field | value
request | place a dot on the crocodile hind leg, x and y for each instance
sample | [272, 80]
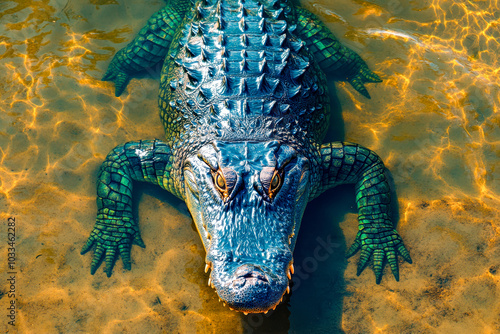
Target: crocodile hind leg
[150, 46]
[350, 163]
[332, 56]
[115, 229]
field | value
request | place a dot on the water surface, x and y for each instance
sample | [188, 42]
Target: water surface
[434, 120]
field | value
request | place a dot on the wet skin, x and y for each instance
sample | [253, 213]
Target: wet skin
[244, 103]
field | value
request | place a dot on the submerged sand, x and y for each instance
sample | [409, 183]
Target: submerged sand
[434, 120]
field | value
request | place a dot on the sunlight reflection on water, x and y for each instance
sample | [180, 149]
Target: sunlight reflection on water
[434, 120]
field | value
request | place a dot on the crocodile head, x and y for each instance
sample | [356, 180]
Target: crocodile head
[247, 201]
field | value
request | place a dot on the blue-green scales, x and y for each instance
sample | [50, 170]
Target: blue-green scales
[244, 103]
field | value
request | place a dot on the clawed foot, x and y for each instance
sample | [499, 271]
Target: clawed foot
[112, 236]
[120, 79]
[363, 75]
[116, 74]
[385, 244]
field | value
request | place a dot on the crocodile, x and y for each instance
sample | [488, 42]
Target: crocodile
[245, 106]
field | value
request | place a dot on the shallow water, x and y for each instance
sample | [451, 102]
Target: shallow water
[434, 120]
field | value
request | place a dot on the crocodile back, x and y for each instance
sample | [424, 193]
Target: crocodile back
[236, 71]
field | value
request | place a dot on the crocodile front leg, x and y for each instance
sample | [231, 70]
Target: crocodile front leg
[150, 46]
[350, 163]
[332, 56]
[116, 230]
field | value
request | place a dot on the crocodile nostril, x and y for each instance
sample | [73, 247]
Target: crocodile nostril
[254, 274]
[249, 272]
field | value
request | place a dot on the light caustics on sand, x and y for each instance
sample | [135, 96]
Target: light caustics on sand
[464, 89]
[441, 71]
[34, 82]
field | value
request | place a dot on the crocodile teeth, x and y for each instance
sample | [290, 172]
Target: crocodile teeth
[292, 269]
[209, 281]
[245, 313]
[266, 312]
[207, 266]
[289, 275]
[288, 289]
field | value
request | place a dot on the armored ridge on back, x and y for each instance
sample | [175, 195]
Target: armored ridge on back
[243, 99]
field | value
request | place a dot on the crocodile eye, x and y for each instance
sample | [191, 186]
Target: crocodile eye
[220, 182]
[275, 182]
[275, 186]
[225, 181]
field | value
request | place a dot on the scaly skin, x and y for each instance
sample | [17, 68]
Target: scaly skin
[244, 104]
[332, 56]
[116, 230]
[345, 163]
[149, 48]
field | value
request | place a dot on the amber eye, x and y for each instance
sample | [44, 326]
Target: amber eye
[275, 182]
[275, 185]
[220, 182]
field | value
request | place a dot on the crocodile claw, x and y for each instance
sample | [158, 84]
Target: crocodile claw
[110, 242]
[364, 75]
[358, 85]
[108, 76]
[386, 244]
[120, 78]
